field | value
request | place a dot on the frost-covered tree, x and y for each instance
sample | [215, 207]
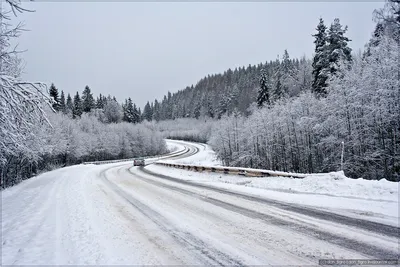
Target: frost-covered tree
[279, 89]
[128, 111]
[69, 105]
[288, 75]
[263, 96]
[77, 106]
[112, 111]
[223, 105]
[53, 91]
[320, 61]
[209, 108]
[88, 102]
[157, 110]
[136, 114]
[100, 102]
[147, 112]
[376, 37]
[337, 47]
[21, 102]
[390, 14]
[304, 75]
[63, 107]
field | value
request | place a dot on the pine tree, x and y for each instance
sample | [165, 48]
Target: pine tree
[210, 108]
[375, 40]
[338, 49]
[288, 74]
[222, 106]
[77, 109]
[136, 114]
[140, 115]
[147, 112]
[321, 61]
[196, 111]
[69, 105]
[156, 114]
[128, 111]
[54, 95]
[87, 100]
[63, 107]
[124, 111]
[279, 91]
[263, 96]
[100, 102]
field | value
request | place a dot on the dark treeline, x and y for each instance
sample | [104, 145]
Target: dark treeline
[107, 109]
[221, 94]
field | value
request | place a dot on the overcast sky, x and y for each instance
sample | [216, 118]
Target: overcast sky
[144, 50]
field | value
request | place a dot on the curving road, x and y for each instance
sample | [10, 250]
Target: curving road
[120, 214]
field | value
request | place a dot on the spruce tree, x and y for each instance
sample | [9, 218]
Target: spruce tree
[147, 112]
[100, 102]
[69, 105]
[222, 106]
[337, 49]
[156, 113]
[140, 115]
[77, 109]
[320, 61]
[196, 111]
[54, 95]
[128, 111]
[263, 96]
[87, 100]
[375, 40]
[136, 114]
[210, 108]
[63, 107]
[279, 91]
[288, 74]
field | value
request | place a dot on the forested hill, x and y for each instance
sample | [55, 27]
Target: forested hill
[219, 94]
[235, 90]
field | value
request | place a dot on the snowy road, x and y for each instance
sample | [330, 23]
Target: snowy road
[119, 214]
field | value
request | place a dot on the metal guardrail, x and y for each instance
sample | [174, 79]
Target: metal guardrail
[176, 153]
[232, 170]
[248, 172]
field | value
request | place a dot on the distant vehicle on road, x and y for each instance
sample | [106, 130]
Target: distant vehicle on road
[138, 162]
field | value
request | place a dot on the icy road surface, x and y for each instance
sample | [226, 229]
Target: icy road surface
[119, 214]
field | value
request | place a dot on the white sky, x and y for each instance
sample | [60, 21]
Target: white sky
[144, 50]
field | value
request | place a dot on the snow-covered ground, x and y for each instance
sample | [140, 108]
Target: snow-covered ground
[117, 214]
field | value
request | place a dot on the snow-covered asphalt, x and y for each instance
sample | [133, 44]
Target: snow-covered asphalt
[120, 214]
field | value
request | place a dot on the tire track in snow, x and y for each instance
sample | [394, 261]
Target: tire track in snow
[203, 251]
[357, 246]
[375, 227]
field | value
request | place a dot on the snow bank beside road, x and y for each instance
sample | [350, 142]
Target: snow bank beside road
[369, 199]
[323, 184]
[333, 184]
